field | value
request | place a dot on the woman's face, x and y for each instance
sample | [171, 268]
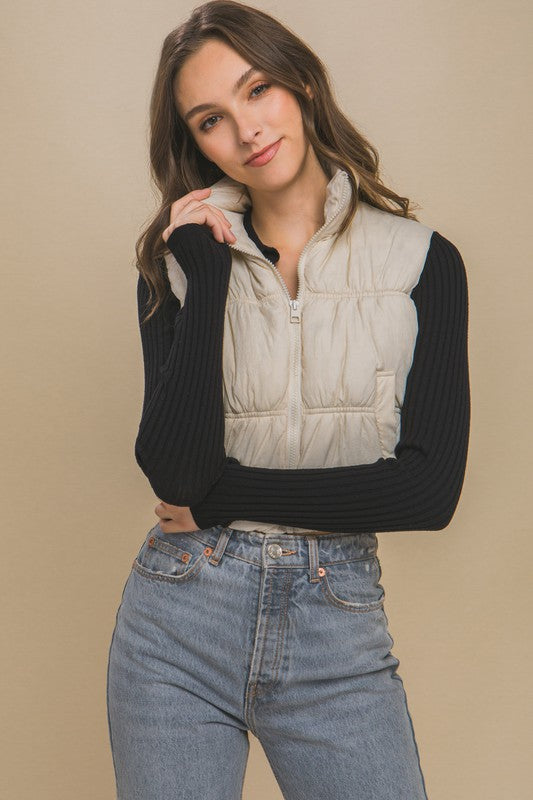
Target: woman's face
[236, 122]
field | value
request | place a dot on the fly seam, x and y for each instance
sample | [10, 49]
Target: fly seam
[284, 615]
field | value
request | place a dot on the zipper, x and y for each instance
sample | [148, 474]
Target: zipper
[295, 317]
[295, 304]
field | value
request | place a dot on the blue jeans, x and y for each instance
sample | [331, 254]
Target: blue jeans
[221, 631]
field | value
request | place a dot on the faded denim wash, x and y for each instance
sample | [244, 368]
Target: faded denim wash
[220, 632]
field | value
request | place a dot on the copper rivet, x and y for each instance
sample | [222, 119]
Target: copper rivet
[208, 551]
[185, 557]
[321, 571]
[151, 540]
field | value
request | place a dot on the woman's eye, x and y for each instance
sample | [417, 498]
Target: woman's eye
[261, 85]
[205, 127]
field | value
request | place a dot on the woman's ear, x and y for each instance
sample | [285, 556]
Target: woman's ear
[308, 90]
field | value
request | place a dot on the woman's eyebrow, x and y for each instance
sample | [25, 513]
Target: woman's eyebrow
[206, 106]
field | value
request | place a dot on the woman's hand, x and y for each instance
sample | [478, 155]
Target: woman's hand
[191, 208]
[175, 519]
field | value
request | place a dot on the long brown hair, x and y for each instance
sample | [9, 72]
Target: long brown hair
[178, 166]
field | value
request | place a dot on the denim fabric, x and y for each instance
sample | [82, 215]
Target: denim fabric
[220, 632]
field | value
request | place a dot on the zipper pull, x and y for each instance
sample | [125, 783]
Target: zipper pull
[295, 311]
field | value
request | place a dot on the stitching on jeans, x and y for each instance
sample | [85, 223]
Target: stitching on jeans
[347, 605]
[284, 617]
[168, 548]
[257, 563]
[255, 693]
[267, 619]
[182, 577]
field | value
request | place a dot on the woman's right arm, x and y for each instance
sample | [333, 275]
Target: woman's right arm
[180, 441]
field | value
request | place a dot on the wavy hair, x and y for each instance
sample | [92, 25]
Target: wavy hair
[177, 166]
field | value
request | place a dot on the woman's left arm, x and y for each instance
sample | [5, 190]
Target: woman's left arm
[419, 489]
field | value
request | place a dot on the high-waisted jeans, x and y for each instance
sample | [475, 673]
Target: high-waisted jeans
[221, 631]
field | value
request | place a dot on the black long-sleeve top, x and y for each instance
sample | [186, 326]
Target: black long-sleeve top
[180, 443]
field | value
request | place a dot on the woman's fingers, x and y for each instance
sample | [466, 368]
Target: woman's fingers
[191, 208]
[224, 224]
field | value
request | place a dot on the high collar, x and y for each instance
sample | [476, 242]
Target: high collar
[233, 199]
[268, 251]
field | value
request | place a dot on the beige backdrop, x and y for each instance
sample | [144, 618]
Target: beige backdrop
[441, 89]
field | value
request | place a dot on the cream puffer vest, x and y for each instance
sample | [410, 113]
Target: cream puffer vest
[317, 381]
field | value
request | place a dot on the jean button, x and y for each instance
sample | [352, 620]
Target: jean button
[274, 550]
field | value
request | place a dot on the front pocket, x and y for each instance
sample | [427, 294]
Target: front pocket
[386, 412]
[353, 585]
[176, 557]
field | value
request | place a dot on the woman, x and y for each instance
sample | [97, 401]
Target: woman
[306, 387]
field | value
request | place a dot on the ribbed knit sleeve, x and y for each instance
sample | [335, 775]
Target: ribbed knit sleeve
[180, 441]
[419, 489]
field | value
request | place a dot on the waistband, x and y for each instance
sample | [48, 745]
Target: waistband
[287, 550]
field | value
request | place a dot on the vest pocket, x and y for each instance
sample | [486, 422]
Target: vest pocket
[387, 415]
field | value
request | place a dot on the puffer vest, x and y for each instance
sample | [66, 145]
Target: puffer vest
[318, 381]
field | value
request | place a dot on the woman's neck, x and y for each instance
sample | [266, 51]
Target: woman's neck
[292, 215]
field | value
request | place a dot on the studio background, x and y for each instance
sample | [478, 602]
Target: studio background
[441, 89]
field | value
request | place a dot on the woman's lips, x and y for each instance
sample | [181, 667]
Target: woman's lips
[265, 157]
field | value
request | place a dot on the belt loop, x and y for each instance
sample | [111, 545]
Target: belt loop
[220, 546]
[312, 544]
